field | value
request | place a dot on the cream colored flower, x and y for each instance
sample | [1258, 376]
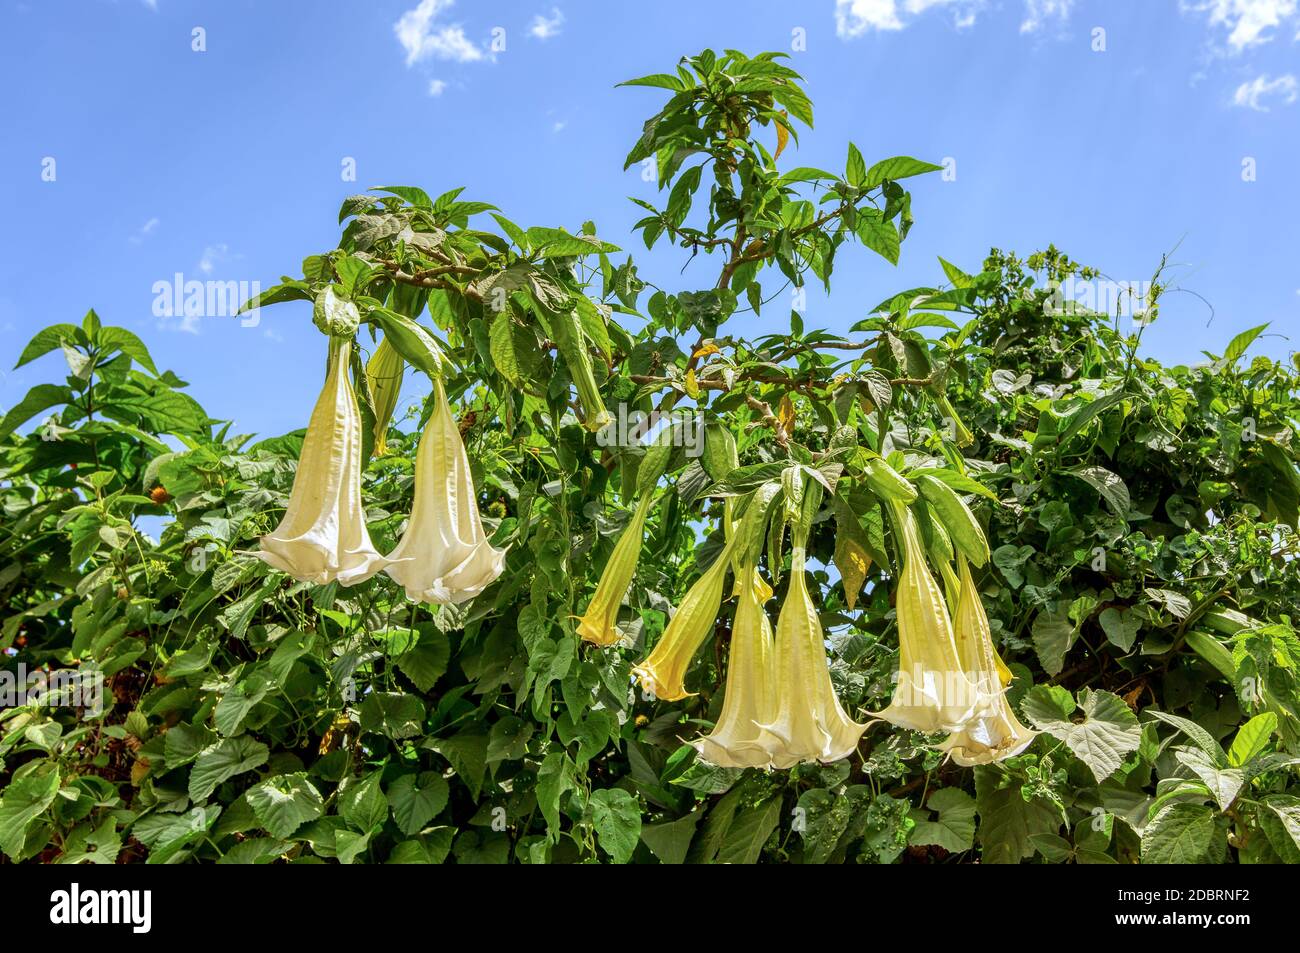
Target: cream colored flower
[599, 624]
[444, 556]
[664, 671]
[737, 739]
[808, 723]
[323, 536]
[933, 692]
[992, 732]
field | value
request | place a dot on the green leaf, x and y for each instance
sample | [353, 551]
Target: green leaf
[426, 661]
[217, 762]
[899, 167]
[1252, 738]
[395, 714]
[661, 80]
[855, 169]
[878, 235]
[1121, 627]
[285, 802]
[954, 829]
[1085, 414]
[23, 802]
[1280, 821]
[1108, 733]
[508, 740]
[1237, 346]
[1052, 632]
[1007, 820]
[48, 340]
[1223, 783]
[749, 831]
[1112, 489]
[467, 752]
[616, 816]
[1184, 834]
[417, 799]
[41, 397]
[120, 339]
[670, 841]
[363, 805]
[1202, 738]
[514, 349]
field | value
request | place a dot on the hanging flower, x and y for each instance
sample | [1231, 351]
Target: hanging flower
[444, 556]
[737, 739]
[664, 671]
[384, 378]
[599, 623]
[992, 732]
[323, 536]
[808, 723]
[933, 692]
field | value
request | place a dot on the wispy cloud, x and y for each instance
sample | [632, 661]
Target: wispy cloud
[151, 4]
[437, 87]
[422, 36]
[544, 27]
[212, 256]
[144, 231]
[1248, 22]
[853, 18]
[1040, 13]
[558, 125]
[1255, 94]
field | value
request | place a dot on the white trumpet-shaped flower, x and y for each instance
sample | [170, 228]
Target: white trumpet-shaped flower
[808, 722]
[737, 739]
[992, 732]
[933, 692]
[323, 536]
[444, 556]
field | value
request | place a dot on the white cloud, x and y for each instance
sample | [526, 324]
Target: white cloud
[1248, 22]
[212, 256]
[856, 17]
[144, 231]
[558, 126]
[421, 37]
[546, 27]
[1040, 12]
[1253, 94]
[151, 4]
[437, 87]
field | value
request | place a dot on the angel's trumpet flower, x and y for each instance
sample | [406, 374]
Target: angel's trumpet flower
[599, 623]
[933, 692]
[323, 536]
[808, 723]
[737, 740]
[663, 673]
[992, 732]
[384, 378]
[444, 556]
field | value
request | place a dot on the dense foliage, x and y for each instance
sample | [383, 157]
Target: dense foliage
[1141, 520]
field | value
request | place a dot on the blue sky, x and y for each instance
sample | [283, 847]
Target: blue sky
[226, 163]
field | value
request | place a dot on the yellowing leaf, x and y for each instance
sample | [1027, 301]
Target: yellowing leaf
[782, 138]
[785, 415]
[692, 388]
